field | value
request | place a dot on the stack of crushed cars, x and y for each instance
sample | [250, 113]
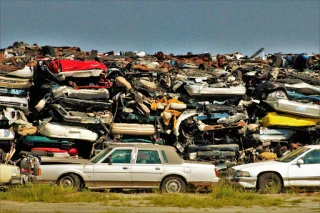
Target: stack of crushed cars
[223, 109]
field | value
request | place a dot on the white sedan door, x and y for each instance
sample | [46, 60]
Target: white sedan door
[147, 169]
[115, 170]
[308, 173]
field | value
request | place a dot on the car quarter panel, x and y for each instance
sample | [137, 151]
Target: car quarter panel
[191, 172]
[52, 172]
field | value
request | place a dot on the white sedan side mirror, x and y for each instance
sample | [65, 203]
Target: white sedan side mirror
[300, 161]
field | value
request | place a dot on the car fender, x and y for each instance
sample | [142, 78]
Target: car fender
[283, 177]
[68, 171]
[177, 173]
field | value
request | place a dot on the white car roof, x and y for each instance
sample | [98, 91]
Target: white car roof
[313, 146]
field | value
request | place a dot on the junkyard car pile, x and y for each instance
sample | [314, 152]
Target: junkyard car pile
[224, 109]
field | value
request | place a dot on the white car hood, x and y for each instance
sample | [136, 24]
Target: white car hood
[264, 164]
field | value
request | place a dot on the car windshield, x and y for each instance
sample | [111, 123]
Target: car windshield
[101, 155]
[293, 155]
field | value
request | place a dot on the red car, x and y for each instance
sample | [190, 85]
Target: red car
[74, 68]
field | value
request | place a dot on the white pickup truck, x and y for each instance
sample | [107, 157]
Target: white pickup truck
[129, 166]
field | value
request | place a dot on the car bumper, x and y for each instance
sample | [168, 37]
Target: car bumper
[16, 180]
[39, 180]
[199, 185]
[246, 182]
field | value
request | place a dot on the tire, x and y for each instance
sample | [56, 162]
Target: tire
[48, 50]
[70, 181]
[238, 74]
[173, 184]
[203, 67]
[270, 183]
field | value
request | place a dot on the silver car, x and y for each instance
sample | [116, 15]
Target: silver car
[130, 166]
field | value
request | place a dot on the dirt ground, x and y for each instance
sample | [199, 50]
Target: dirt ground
[308, 205]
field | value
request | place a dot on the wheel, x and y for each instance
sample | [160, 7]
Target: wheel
[270, 183]
[238, 74]
[70, 181]
[202, 67]
[173, 184]
[48, 50]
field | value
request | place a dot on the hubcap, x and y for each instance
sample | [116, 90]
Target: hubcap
[271, 186]
[173, 186]
[67, 182]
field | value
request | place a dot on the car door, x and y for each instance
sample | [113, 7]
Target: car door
[147, 168]
[307, 173]
[114, 170]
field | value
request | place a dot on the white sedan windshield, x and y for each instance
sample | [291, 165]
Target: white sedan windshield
[293, 155]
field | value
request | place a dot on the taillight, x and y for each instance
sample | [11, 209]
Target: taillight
[38, 172]
[216, 172]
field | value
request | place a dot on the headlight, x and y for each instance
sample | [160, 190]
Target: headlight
[243, 174]
[281, 95]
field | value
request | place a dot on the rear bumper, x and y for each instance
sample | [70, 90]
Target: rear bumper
[16, 180]
[201, 185]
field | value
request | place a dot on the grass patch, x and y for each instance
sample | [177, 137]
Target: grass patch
[295, 201]
[49, 194]
[8, 211]
[221, 196]
[115, 211]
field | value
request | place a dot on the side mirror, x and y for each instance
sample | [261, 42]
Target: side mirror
[300, 161]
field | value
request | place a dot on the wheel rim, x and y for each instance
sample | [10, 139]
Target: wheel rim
[271, 186]
[173, 186]
[66, 182]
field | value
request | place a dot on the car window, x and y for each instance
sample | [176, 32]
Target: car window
[164, 156]
[148, 157]
[100, 156]
[119, 156]
[312, 157]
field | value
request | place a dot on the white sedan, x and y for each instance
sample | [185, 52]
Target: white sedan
[299, 168]
[129, 166]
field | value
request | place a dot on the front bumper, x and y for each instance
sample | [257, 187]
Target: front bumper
[246, 182]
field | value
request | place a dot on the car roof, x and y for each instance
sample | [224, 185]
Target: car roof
[171, 153]
[313, 146]
[139, 145]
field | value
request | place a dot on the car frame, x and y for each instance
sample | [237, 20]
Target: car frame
[292, 170]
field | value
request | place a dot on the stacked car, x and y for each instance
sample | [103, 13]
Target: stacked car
[16, 73]
[223, 109]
